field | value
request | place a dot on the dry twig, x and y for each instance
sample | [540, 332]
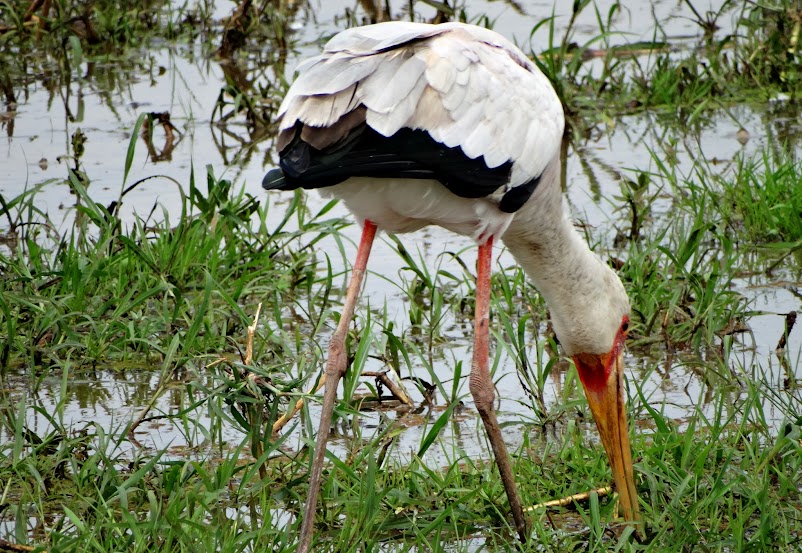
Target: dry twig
[251, 333]
[584, 496]
[394, 388]
[286, 417]
[16, 548]
[790, 321]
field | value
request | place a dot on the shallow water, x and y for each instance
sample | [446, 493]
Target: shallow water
[186, 83]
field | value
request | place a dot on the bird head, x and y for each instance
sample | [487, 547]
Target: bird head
[602, 377]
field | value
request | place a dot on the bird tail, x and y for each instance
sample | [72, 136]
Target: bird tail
[274, 180]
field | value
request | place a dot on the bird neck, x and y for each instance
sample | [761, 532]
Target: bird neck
[585, 297]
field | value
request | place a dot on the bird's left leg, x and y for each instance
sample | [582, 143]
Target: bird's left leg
[481, 385]
[335, 369]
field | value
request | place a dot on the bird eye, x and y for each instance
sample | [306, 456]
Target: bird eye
[625, 326]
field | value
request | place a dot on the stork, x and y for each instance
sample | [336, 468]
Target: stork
[412, 124]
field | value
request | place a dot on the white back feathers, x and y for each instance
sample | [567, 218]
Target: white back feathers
[465, 85]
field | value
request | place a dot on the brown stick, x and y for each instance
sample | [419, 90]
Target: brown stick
[35, 5]
[397, 391]
[8, 546]
[584, 496]
[282, 421]
[141, 417]
[790, 321]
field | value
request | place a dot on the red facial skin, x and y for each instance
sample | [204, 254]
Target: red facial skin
[594, 370]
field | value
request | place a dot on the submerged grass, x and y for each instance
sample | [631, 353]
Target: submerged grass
[700, 488]
[763, 202]
[109, 293]
[608, 76]
[171, 295]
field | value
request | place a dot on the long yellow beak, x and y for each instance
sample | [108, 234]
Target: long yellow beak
[607, 400]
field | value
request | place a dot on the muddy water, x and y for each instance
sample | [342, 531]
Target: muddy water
[186, 83]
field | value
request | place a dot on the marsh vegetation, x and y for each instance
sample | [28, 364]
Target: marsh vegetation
[140, 379]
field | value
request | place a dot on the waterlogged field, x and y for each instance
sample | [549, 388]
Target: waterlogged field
[159, 313]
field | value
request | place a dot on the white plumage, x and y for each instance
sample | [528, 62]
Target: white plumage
[465, 85]
[468, 87]
[469, 134]
[407, 205]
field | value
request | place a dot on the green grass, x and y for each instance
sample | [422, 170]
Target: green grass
[115, 295]
[764, 204]
[608, 75]
[698, 485]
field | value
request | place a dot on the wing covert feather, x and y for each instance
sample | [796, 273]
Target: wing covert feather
[464, 85]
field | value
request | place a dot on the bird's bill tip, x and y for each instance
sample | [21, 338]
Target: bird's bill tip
[603, 379]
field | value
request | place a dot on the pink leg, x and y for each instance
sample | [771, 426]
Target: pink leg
[481, 385]
[335, 369]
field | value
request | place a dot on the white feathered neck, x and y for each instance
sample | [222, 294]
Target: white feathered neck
[586, 298]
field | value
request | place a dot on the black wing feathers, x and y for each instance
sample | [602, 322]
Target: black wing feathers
[365, 153]
[409, 153]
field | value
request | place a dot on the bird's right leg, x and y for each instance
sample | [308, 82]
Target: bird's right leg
[482, 389]
[335, 369]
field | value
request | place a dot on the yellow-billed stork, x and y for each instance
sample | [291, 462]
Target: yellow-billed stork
[412, 125]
